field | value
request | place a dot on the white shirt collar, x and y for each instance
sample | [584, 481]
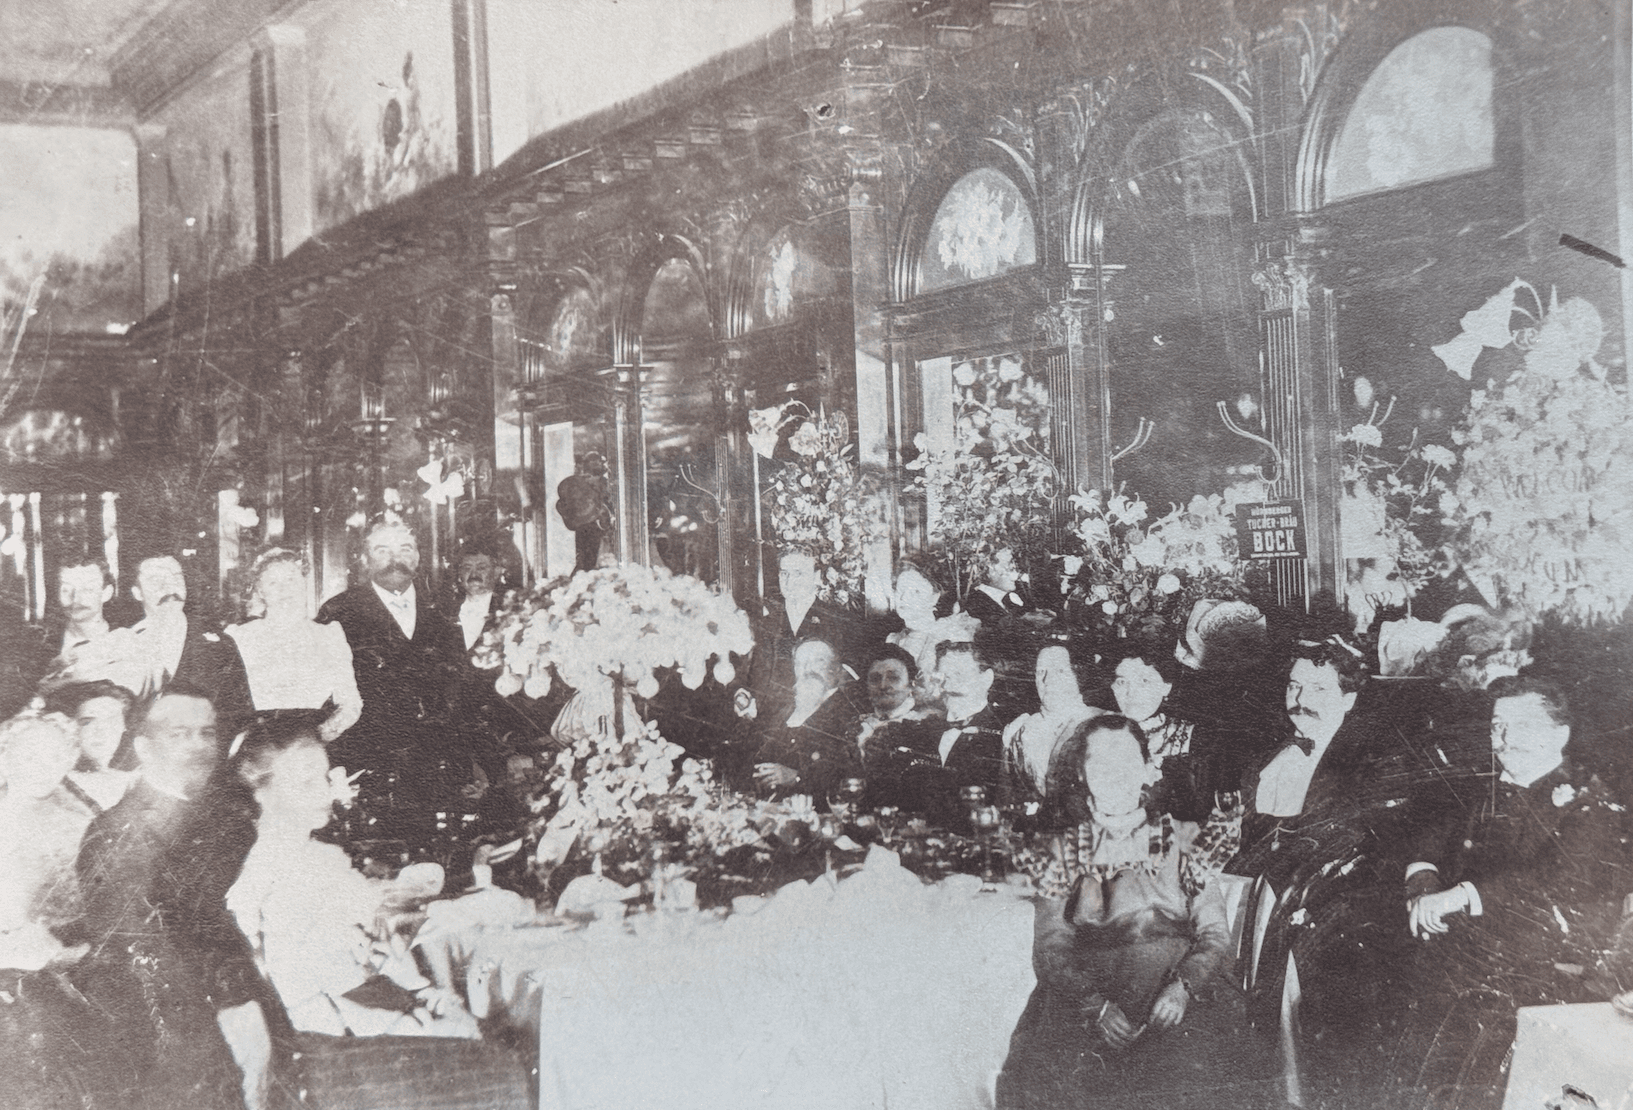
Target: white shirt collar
[393, 600]
[160, 788]
[1285, 781]
[473, 616]
[401, 606]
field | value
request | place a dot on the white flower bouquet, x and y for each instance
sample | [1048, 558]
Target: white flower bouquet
[1137, 576]
[819, 503]
[621, 623]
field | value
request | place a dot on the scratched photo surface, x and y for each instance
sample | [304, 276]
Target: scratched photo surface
[1019, 554]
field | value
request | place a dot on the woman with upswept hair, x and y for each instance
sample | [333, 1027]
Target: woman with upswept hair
[292, 661]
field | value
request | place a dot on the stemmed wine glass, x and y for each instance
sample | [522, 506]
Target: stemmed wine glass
[846, 799]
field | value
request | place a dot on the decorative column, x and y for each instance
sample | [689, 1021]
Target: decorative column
[1073, 329]
[153, 200]
[1301, 406]
[728, 448]
[514, 454]
[878, 395]
[629, 444]
[280, 108]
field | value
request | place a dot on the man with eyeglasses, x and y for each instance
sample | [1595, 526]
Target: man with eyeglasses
[1515, 891]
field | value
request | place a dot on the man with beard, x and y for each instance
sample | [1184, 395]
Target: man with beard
[811, 750]
[408, 662]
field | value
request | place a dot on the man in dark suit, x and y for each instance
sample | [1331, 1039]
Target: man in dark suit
[408, 660]
[167, 962]
[964, 750]
[811, 749]
[1319, 907]
[493, 727]
[1516, 883]
[175, 649]
[789, 618]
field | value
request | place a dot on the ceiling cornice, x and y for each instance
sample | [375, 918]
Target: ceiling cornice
[183, 38]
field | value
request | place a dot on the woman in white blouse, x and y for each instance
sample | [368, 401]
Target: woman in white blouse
[292, 661]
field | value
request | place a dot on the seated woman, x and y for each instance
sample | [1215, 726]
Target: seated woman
[1032, 739]
[100, 712]
[890, 734]
[915, 599]
[1127, 949]
[56, 1049]
[316, 925]
[41, 824]
[292, 661]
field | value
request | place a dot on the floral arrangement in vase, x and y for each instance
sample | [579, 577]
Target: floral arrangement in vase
[819, 502]
[993, 485]
[1543, 501]
[1393, 498]
[622, 623]
[1140, 577]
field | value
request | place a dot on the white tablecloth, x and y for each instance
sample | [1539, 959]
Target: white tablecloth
[1587, 1046]
[882, 992]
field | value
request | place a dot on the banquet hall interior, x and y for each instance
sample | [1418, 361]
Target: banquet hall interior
[609, 553]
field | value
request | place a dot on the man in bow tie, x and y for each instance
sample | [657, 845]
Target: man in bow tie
[407, 657]
[1309, 885]
[962, 751]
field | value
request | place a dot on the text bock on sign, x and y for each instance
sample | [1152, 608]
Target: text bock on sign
[1274, 530]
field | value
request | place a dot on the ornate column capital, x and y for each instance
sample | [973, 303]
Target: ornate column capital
[1284, 285]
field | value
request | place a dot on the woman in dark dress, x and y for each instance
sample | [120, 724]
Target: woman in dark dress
[1127, 946]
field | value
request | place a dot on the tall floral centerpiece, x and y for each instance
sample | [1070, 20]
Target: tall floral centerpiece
[1138, 576]
[1393, 515]
[992, 486]
[819, 502]
[623, 623]
[1544, 497]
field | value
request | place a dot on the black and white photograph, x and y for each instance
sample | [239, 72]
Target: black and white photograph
[816, 554]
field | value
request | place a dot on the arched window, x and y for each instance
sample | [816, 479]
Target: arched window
[982, 228]
[1180, 216]
[1423, 115]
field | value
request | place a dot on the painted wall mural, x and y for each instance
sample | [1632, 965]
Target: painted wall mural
[982, 228]
[383, 116]
[210, 217]
[1425, 113]
[68, 219]
[796, 269]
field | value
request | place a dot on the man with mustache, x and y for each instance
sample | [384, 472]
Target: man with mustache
[167, 647]
[1316, 893]
[407, 657]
